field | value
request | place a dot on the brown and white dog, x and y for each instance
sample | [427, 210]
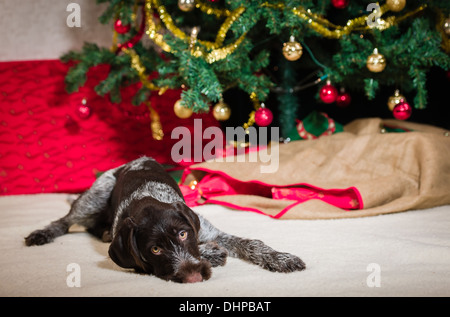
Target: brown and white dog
[139, 208]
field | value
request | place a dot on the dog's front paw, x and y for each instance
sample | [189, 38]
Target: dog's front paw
[282, 262]
[39, 237]
[213, 253]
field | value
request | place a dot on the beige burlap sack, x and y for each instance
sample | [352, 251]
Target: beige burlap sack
[383, 172]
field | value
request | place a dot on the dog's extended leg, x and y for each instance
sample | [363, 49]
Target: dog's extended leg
[84, 211]
[213, 253]
[254, 251]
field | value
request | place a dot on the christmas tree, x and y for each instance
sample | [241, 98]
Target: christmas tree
[259, 58]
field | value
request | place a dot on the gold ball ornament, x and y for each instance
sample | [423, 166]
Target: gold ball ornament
[181, 111]
[376, 62]
[292, 50]
[186, 5]
[396, 5]
[446, 26]
[221, 111]
[395, 99]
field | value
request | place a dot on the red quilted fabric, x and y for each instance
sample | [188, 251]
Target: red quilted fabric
[47, 146]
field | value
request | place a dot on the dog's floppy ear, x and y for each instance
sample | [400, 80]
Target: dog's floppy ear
[123, 249]
[188, 214]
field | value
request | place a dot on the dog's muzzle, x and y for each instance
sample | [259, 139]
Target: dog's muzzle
[189, 269]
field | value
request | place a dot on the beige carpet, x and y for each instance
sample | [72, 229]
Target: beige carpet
[403, 254]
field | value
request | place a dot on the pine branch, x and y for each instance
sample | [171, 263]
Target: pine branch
[411, 49]
[117, 9]
[419, 80]
[371, 86]
[194, 100]
[199, 75]
[91, 55]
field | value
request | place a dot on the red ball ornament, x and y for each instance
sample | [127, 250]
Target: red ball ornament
[402, 110]
[131, 42]
[343, 99]
[263, 116]
[84, 111]
[120, 27]
[340, 4]
[328, 93]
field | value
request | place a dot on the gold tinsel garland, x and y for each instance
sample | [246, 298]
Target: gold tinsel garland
[157, 131]
[136, 64]
[139, 68]
[445, 38]
[216, 51]
[206, 8]
[251, 116]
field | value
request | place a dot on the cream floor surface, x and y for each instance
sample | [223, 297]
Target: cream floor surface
[403, 254]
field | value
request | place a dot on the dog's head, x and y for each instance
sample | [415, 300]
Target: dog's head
[162, 240]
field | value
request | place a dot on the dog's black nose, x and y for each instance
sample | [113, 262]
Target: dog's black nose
[193, 278]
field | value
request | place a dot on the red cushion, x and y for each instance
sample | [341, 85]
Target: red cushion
[47, 146]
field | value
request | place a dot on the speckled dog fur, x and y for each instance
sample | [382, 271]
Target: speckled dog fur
[139, 208]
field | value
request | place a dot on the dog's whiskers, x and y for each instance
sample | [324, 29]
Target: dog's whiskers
[180, 256]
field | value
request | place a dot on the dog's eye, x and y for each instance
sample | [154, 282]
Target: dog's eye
[183, 235]
[156, 250]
